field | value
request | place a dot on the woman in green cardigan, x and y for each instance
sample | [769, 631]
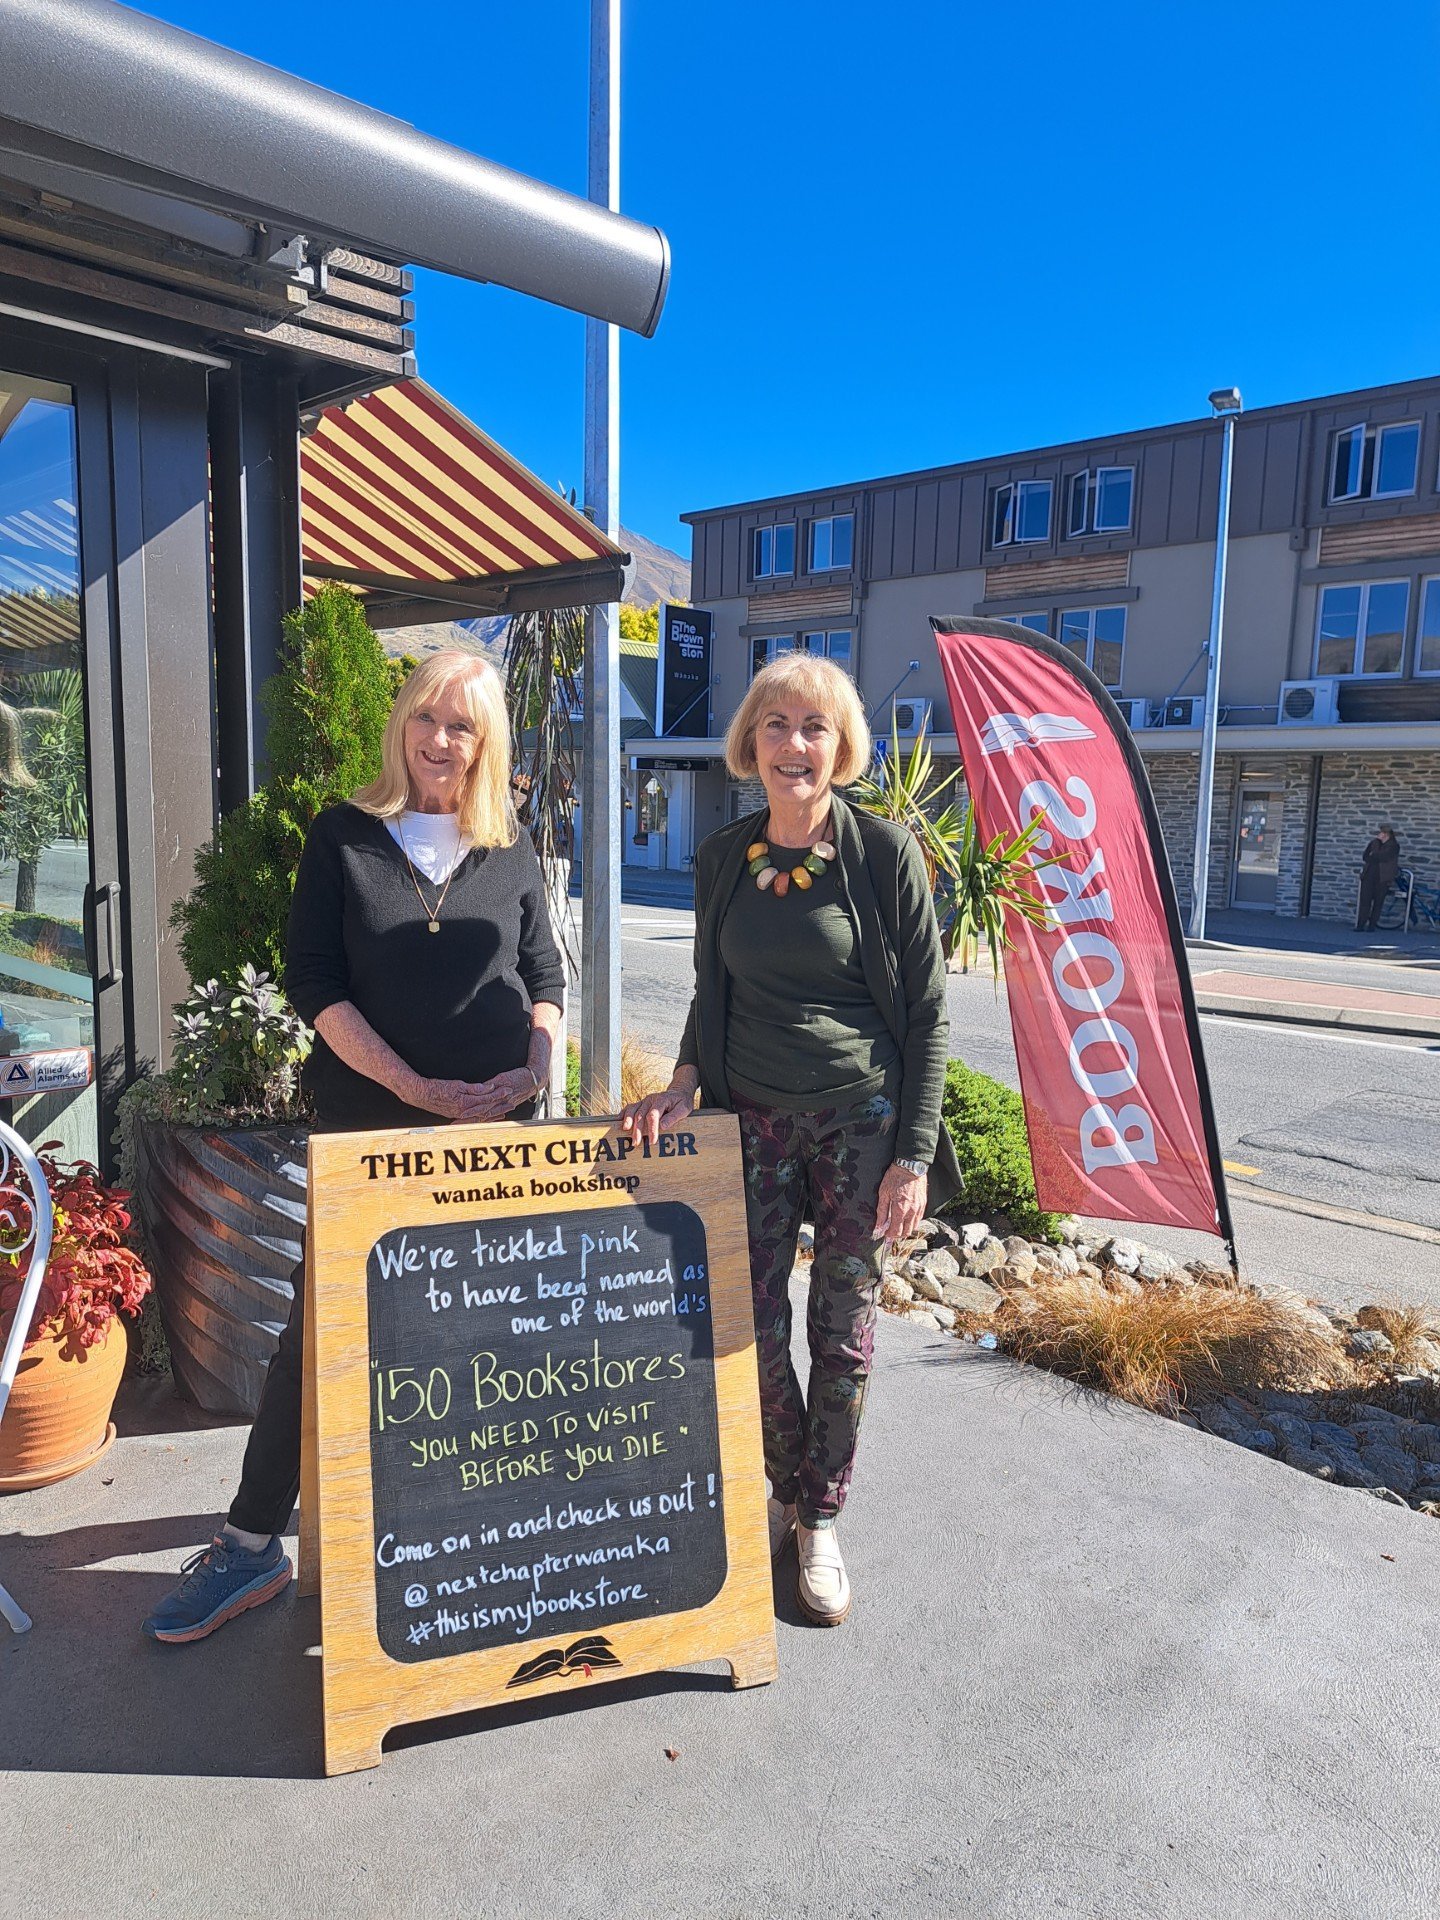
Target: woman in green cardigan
[819, 1019]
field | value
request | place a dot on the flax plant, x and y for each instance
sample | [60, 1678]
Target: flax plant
[977, 883]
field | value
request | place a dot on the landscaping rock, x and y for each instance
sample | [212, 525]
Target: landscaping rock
[1154, 1265]
[1124, 1254]
[1047, 1258]
[922, 1316]
[1308, 1460]
[1331, 1433]
[967, 1295]
[975, 1233]
[940, 1263]
[896, 1293]
[1369, 1343]
[1218, 1418]
[944, 1315]
[939, 1233]
[1011, 1279]
[926, 1286]
[978, 1261]
[1069, 1260]
[1289, 1428]
[1114, 1281]
[1069, 1230]
[1391, 1468]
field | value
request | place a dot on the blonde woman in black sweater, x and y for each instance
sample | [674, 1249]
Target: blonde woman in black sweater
[419, 948]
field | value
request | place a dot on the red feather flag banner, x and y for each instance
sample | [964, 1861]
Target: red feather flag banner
[1112, 1072]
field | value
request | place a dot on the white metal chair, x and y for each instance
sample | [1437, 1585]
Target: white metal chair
[15, 1207]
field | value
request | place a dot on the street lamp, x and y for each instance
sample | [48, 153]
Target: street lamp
[1226, 403]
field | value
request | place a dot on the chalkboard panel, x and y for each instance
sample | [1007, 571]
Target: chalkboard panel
[472, 1291]
[544, 1448]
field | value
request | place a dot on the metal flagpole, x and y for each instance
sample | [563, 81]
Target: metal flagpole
[1226, 402]
[600, 837]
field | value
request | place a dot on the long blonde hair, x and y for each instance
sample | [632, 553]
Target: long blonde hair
[486, 813]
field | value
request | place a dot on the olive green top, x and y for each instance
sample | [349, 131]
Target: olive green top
[803, 1028]
[881, 883]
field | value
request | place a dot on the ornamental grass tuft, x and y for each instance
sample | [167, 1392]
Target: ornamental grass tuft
[1165, 1346]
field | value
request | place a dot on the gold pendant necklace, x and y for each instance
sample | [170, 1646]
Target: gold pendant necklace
[432, 914]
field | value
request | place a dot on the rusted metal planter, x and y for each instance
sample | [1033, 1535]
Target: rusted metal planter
[222, 1212]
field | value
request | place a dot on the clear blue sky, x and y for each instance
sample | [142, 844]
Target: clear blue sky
[922, 231]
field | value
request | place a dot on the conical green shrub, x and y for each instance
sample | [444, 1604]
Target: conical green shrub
[326, 708]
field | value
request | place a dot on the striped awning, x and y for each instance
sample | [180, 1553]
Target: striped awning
[407, 501]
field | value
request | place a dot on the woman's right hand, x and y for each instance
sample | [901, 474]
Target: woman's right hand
[659, 1113]
[455, 1099]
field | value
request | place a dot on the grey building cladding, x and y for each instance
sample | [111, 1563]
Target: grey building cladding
[1109, 545]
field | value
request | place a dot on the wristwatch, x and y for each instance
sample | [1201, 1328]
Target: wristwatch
[917, 1167]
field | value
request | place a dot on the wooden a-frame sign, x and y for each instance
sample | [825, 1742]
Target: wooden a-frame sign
[531, 1458]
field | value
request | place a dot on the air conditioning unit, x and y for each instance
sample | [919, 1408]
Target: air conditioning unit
[1136, 713]
[1308, 703]
[1184, 710]
[912, 717]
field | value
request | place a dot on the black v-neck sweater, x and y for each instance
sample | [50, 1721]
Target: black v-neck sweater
[455, 1005]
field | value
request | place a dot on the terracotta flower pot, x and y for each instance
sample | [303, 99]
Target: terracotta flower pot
[58, 1420]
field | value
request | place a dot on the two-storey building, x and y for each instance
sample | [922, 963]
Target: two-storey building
[1330, 690]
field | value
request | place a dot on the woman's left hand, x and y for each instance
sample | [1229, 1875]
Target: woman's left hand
[495, 1098]
[901, 1204]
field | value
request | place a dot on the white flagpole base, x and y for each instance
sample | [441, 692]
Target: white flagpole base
[15, 1615]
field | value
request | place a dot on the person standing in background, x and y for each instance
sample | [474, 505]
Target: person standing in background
[1378, 867]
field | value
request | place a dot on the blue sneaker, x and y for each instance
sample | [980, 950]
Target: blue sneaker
[220, 1581]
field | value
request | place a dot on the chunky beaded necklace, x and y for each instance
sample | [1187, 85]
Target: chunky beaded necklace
[766, 874]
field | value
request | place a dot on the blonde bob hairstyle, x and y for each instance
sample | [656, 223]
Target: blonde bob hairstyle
[823, 686]
[486, 813]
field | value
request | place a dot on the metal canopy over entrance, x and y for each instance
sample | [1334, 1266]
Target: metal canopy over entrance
[407, 501]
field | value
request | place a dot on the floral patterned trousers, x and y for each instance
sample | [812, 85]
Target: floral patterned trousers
[824, 1166]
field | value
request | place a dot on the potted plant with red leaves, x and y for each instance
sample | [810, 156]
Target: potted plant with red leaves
[58, 1418]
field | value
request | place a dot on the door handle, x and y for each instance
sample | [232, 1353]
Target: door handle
[109, 896]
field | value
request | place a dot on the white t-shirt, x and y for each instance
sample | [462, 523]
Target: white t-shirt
[433, 841]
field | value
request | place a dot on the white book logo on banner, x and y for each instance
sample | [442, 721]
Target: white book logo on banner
[1004, 732]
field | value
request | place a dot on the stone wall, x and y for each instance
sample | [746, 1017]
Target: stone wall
[1357, 792]
[1175, 783]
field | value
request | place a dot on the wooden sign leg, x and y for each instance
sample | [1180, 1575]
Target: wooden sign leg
[307, 1572]
[352, 1743]
[756, 1663]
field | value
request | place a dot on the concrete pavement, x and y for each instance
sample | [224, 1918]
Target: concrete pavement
[1331, 1002]
[1099, 1665]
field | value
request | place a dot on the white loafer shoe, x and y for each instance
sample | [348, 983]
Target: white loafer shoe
[823, 1588]
[782, 1524]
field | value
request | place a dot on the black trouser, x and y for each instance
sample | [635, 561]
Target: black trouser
[270, 1477]
[1372, 898]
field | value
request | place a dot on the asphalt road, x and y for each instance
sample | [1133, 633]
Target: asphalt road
[1343, 1121]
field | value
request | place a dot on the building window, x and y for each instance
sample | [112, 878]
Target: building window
[834, 645]
[837, 645]
[1361, 629]
[832, 542]
[772, 552]
[1100, 501]
[1020, 513]
[1374, 463]
[1097, 635]
[1427, 644]
[1036, 622]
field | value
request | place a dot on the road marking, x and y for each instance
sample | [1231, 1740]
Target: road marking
[1234, 1166]
[1279, 1029]
[1344, 1216]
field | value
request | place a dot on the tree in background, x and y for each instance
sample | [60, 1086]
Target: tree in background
[43, 794]
[641, 623]
[326, 706]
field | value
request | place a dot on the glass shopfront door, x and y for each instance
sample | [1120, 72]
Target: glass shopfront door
[1257, 847]
[48, 896]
